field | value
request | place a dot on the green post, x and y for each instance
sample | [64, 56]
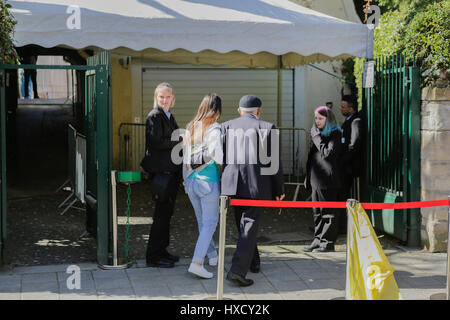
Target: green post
[102, 147]
[2, 165]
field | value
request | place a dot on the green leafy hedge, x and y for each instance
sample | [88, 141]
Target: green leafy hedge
[7, 52]
[428, 36]
[417, 28]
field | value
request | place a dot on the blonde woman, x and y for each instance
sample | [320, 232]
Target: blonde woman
[160, 125]
[202, 155]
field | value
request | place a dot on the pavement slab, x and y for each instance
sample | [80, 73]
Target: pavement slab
[299, 276]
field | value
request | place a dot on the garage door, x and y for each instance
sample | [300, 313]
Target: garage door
[191, 85]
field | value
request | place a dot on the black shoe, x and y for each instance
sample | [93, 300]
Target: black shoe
[239, 280]
[171, 257]
[255, 269]
[324, 249]
[311, 247]
[161, 263]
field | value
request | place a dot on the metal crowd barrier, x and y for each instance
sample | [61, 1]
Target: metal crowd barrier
[292, 144]
[76, 169]
[131, 145]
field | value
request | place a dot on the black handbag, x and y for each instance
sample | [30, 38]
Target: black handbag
[162, 185]
[199, 157]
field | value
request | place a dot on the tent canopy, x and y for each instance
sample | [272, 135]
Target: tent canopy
[243, 32]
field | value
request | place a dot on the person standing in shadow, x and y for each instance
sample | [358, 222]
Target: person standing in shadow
[32, 59]
[351, 161]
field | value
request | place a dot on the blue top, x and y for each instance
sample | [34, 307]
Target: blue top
[210, 173]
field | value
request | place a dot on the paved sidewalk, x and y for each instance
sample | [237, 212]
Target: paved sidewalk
[287, 273]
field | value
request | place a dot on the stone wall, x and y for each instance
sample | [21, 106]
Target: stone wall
[435, 166]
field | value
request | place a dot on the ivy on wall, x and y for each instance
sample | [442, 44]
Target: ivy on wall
[8, 54]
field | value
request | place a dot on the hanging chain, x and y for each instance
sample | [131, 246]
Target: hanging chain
[127, 234]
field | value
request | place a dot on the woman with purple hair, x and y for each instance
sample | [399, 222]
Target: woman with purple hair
[322, 177]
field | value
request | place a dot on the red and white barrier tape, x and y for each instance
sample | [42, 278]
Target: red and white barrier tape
[337, 205]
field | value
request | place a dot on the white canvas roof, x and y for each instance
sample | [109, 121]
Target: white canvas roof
[278, 27]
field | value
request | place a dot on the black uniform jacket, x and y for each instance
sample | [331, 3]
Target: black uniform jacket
[158, 143]
[352, 151]
[322, 167]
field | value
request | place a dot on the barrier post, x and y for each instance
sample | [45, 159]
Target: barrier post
[115, 260]
[350, 203]
[220, 265]
[448, 249]
[114, 217]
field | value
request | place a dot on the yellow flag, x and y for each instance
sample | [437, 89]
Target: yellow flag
[370, 276]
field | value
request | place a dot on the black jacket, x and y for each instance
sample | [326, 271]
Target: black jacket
[322, 167]
[352, 146]
[158, 143]
[244, 177]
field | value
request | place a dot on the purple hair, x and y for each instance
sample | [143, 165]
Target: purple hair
[331, 124]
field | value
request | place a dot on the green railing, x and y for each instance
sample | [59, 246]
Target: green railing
[393, 145]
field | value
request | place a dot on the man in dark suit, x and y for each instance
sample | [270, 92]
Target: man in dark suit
[251, 170]
[352, 151]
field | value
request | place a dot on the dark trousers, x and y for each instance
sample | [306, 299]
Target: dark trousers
[246, 251]
[30, 73]
[325, 226]
[160, 230]
[238, 212]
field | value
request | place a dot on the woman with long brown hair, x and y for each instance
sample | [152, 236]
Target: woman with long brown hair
[202, 155]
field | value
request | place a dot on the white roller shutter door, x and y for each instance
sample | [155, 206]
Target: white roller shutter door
[192, 84]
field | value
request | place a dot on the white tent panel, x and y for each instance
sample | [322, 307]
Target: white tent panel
[251, 26]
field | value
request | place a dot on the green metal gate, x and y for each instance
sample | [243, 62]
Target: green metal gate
[98, 149]
[393, 146]
[2, 164]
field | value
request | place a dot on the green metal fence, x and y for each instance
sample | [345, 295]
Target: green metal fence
[393, 145]
[2, 165]
[99, 151]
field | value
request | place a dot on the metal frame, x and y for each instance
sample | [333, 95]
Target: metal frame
[103, 148]
[448, 253]
[3, 197]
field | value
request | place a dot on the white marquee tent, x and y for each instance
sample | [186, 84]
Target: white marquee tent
[272, 27]
[273, 34]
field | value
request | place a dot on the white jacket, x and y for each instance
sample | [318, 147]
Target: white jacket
[213, 140]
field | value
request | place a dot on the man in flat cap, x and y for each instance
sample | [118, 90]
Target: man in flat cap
[251, 170]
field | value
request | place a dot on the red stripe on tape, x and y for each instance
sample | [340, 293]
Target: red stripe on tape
[337, 205]
[406, 205]
[287, 204]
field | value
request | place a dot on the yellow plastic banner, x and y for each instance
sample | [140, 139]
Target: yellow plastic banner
[370, 276]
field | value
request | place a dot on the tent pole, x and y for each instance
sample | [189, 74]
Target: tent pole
[279, 84]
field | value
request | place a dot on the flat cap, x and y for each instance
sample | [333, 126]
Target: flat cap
[249, 101]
